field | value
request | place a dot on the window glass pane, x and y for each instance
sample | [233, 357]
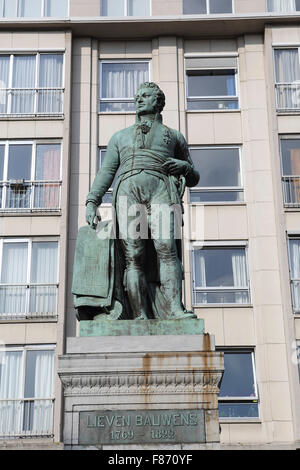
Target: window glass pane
[30, 8]
[2, 150]
[23, 77]
[220, 6]
[287, 68]
[138, 7]
[297, 5]
[216, 196]
[290, 154]
[121, 80]
[281, 6]
[220, 267]
[238, 378]
[39, 374]
[14, 263]
[294, 251]
[238, 410]
[47, 166]
[4, 82]
[8, 8]
[44, 262]
[211, 83]
[19, 162]
[191, 7]
[112, 8]
[56, 8]
[10, 380]
[217, 167]
[51, 70]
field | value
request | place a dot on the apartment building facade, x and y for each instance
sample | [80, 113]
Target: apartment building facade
[230, 70]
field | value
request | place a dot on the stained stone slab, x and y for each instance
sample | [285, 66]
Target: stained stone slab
[187, 326]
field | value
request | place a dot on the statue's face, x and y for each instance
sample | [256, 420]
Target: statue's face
[145, 101]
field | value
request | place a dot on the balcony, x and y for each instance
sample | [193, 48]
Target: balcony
[291, 191]
[30, 196]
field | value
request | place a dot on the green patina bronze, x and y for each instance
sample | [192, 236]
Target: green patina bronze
[117, 275]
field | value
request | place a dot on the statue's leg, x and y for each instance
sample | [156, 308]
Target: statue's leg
[134, 281]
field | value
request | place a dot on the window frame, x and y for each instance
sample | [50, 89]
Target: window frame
[277, 84]
[197, 245]
[119, 100]
[10, 89]
[5, 182]
[288, 179]
[28, 284]
[236, 97]
[216, 189]
[290, 237]
[17, 8]
[25, 349]
[125, 8]
[237, 399]
[208, 10]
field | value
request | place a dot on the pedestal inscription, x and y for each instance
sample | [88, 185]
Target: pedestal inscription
[142, 427]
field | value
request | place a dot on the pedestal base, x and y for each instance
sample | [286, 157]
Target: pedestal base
[141, 392]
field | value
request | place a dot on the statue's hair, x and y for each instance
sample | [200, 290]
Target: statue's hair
[160, 96]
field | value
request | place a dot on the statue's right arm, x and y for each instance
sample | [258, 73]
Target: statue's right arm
[103, 179]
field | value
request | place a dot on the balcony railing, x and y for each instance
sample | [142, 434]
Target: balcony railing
[29, 101]
[221, 295]
[28, 301]
[32, 417]
[21, 195]
[291, 191]
[288, 96]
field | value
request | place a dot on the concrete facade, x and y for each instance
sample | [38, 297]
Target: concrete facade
[262, 223]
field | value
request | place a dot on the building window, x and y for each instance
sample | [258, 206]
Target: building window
[283, 6]
[29, 278]
[30, 176]
[238, 397]
[119, 82]
[211, 83]
[220, 275]
[26, 391]
[294, 259]
[33, 8]
[125, 8]
[290, 169]
[202, 7]
[220, 170]
[287, 79]
[31, 84]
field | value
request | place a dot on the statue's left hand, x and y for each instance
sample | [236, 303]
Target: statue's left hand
[175, 167]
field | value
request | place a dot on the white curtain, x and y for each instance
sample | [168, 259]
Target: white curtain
[43, 271]
[4, 82]
[56, 8]
[50, 76]
[200, 276]
[287, 71]
[239, 276]
[43, 388]
[122, 80]
[11, 379]
[112, 8]
[23, 77]
[281, 6]
[46, 195]
[7, 8]
[138, 8]
[295, 271]
[30, 8]
[14, 271]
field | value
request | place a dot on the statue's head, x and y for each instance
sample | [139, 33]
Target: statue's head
[149, 99]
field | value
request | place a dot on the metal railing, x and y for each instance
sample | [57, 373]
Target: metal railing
[28, 301]
[291, 190]
[287, 96]
[21, 195]
[28, 101]
[221, 295]
[31, 417]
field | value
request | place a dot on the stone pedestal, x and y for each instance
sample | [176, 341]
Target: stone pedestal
[141, 391]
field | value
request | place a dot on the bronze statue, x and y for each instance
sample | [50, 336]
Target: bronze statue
[137, 277]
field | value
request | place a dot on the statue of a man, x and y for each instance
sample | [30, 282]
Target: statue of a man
[153, 165]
